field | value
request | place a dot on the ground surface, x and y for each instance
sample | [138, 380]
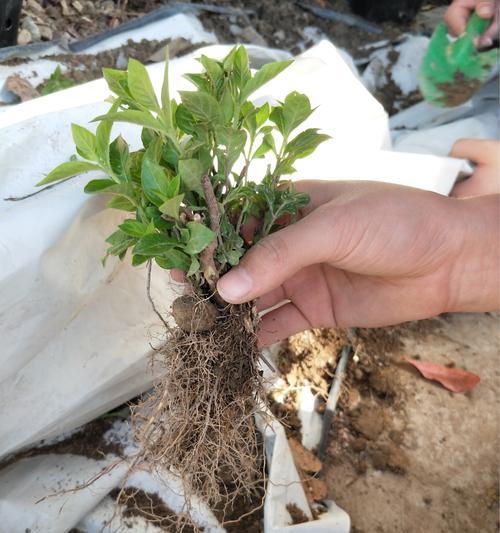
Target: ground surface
[432, 464]
[282, 24]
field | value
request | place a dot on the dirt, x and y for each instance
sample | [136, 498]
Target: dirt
[87, 441]
[458, 91]
[77, 19]
[391, 96]
[401, 446]
[296, 514]
[245, 514]
[151, 507]
[192, 314]
[97, 16]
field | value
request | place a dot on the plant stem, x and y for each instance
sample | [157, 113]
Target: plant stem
[210, 270]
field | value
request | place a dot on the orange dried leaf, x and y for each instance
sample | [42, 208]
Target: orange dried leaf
[454, 379]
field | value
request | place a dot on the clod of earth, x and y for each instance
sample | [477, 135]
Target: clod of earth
[304, 458]
[193, 314]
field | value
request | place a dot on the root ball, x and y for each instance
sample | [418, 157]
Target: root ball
[198, 423]
[192, 314]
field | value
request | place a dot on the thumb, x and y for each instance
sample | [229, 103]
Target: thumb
[278, 257]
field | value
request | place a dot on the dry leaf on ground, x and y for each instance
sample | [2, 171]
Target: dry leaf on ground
[454, 379]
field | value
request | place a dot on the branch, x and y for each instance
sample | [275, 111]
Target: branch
[210, 270]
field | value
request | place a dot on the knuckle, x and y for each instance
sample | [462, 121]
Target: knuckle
[273, 249]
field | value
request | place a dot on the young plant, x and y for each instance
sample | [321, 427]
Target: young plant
[189, 197]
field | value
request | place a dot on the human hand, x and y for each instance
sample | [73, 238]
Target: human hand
[485, 154]
[369, 254]
[458, 14]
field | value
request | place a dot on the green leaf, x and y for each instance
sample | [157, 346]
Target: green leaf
[234, 142]
[119, 159]
[199, 81]
[101, 185]
[227, 104]
[134, 228]
[68, 170]
[173, 186]
[184, 119]
[133, 116]
[194, 268]
[305, 143]
[262, 114]
[171, 206]
[117, 81]
[139, 259]
[120, 242]
[204, 107]
[267, 145]
[262, 76]
[140, 85]
[212, 68]
[241, 68]
[122, 203]
[103, 134]
[296, 108]
[174, 259]
[200, 237]
[154, 181]
[276, 116]
[154, 244]
[191, 172]
[85, 142]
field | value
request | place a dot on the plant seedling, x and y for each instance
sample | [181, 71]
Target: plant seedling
[188, 197]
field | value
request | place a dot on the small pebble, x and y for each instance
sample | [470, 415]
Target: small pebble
[252, 36]
[235, 29]
[23, 37]
[46, 33]
[279, 35]
[30, 26]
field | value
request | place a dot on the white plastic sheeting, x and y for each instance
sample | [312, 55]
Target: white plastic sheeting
[75, 336]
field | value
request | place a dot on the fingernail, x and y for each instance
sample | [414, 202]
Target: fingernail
[485, 9]
[235, 285]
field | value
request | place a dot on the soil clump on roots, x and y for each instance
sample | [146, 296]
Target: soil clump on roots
[198, 422]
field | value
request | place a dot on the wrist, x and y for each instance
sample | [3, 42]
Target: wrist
[475, 273]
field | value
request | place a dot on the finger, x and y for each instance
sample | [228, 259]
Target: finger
[277, 257]
[486, 40]
[458, 14]
[178, 275]
[280, 324]
[320, 192]
[486, 8]
[478, 151]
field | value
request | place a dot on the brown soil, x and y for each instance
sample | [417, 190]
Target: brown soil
[296, 514]
[401, 447]
[95, 17]
[100, 15]
[151, 507]
[391, 96]
[245, 513]
[458, 91]
[87, 441]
